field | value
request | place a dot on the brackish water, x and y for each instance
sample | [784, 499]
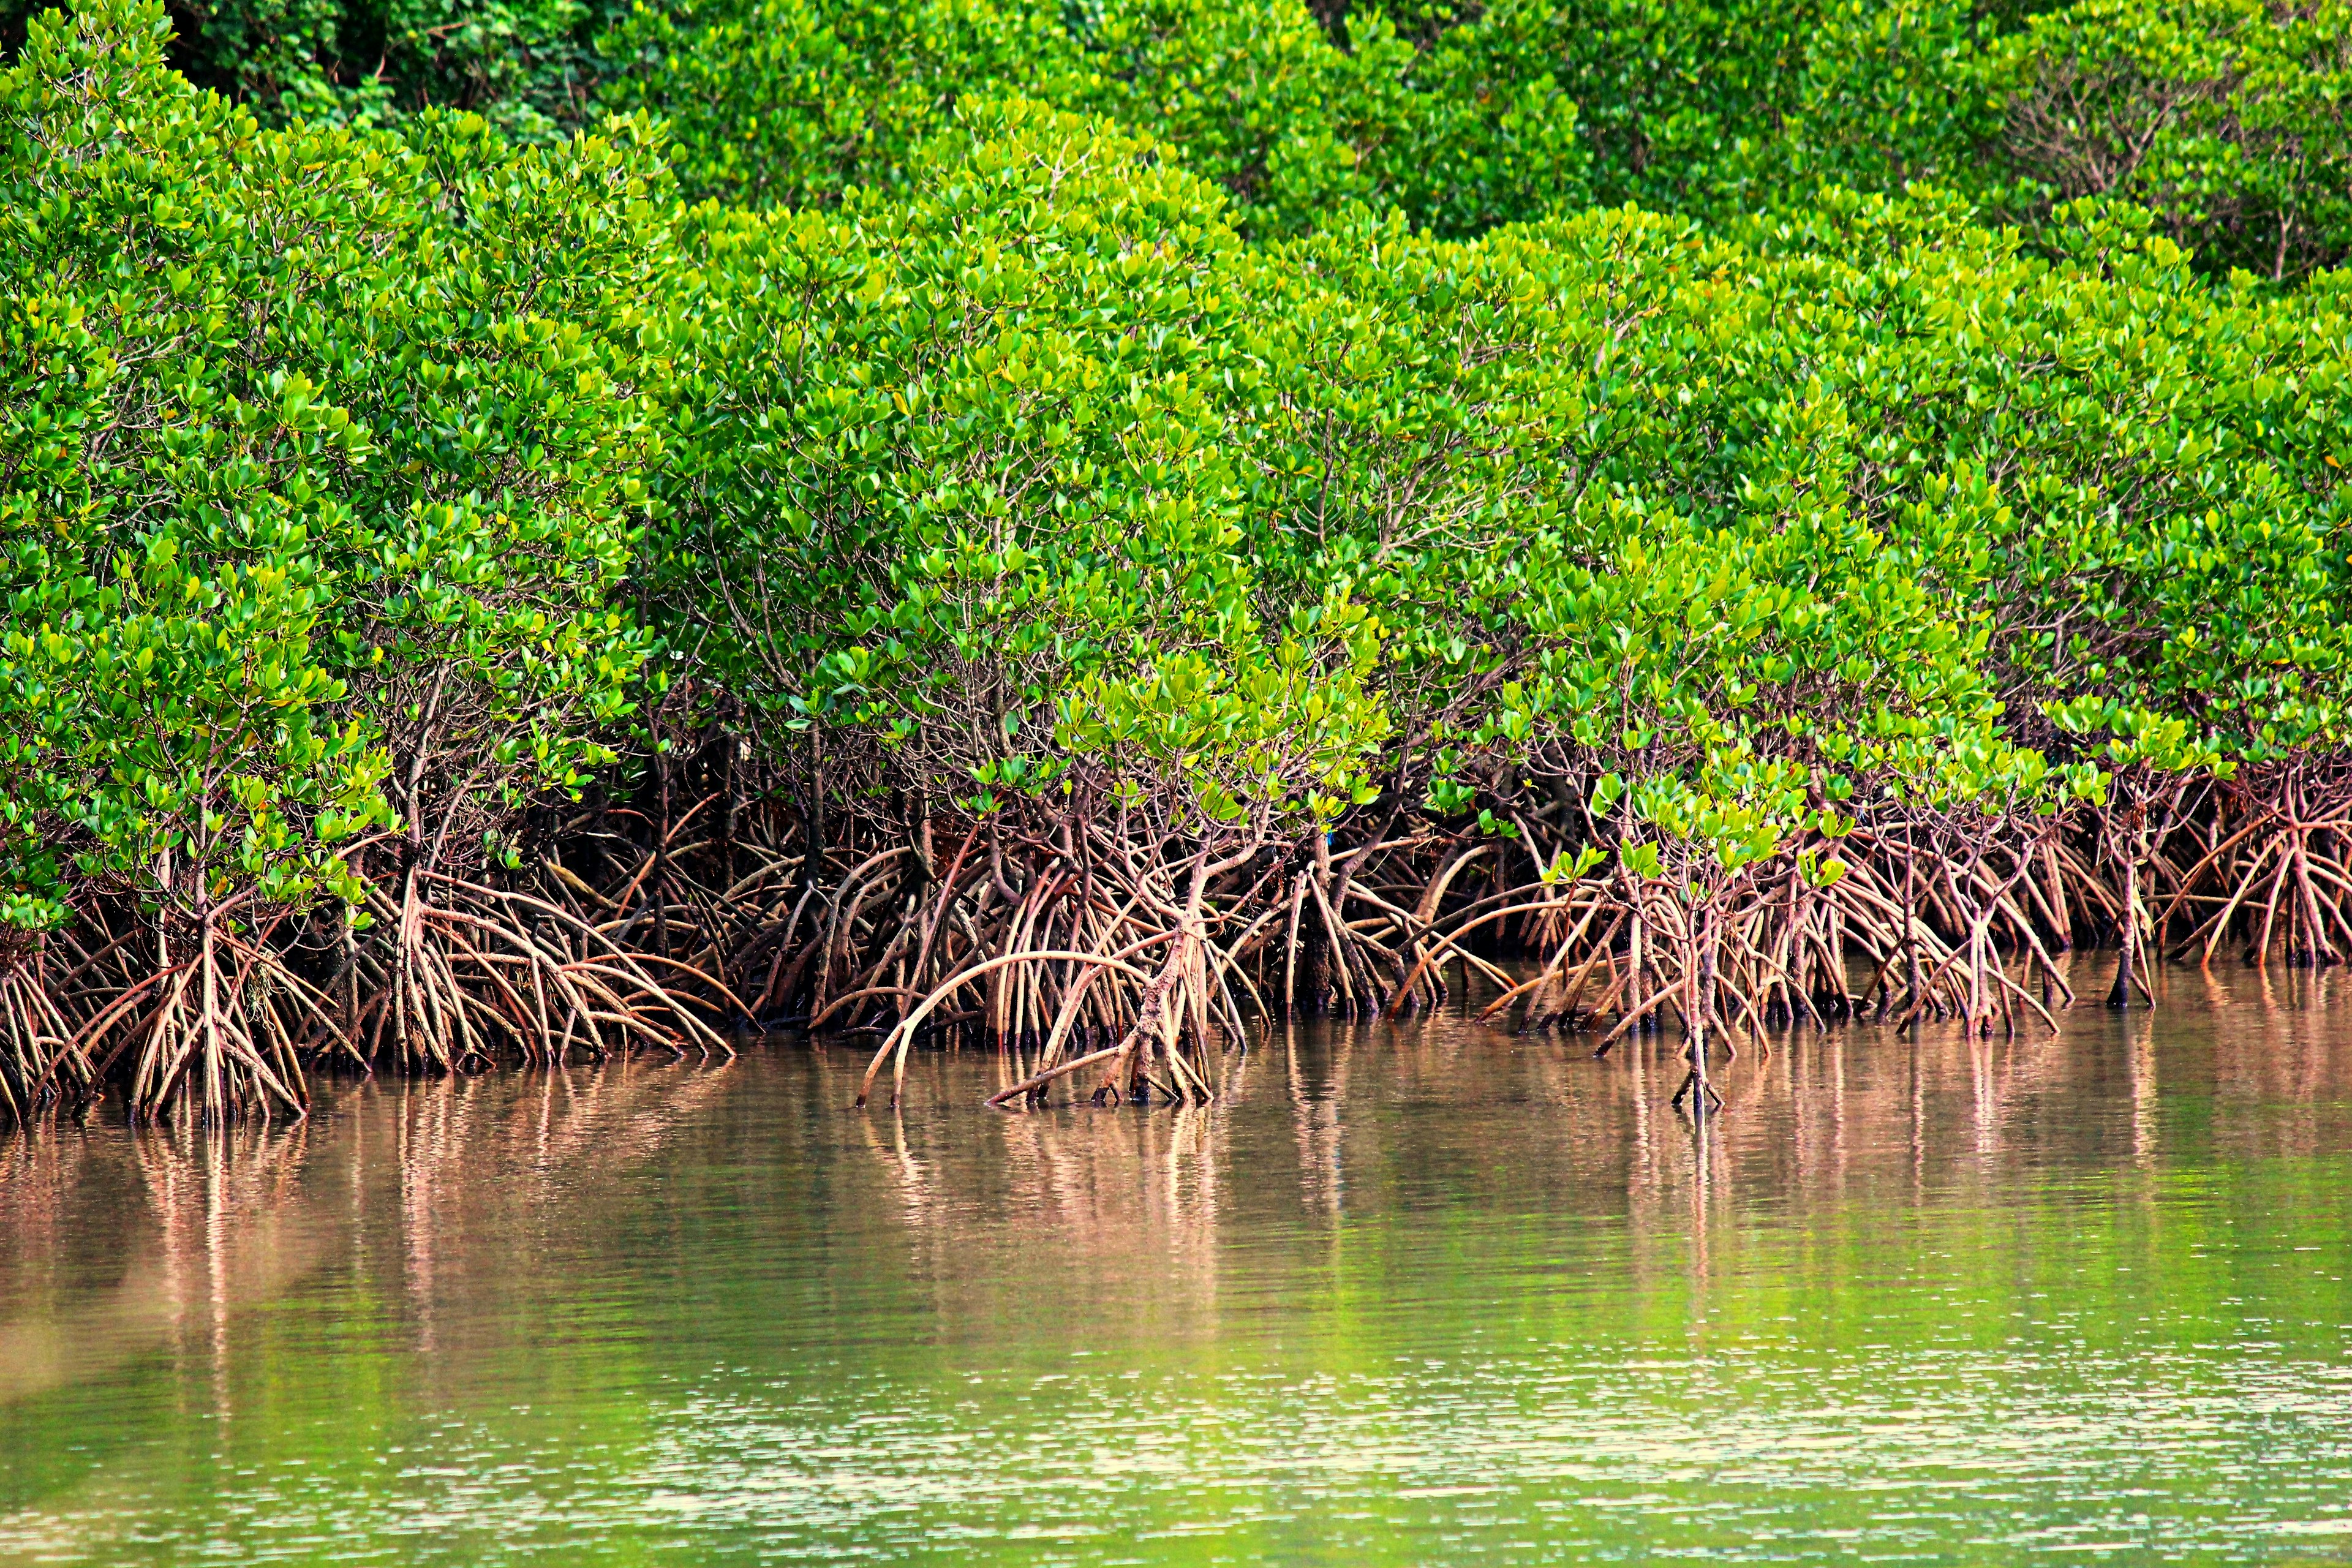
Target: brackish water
[1423, 1294]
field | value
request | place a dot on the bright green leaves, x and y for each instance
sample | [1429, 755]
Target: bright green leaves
[180, 715]
[1791, 527]
[1822, 872]
[2223, 117]
[1255, 740]
[2136, 738]
[526, 63]
[1457, 132]
[1180, 450]
[793, 103]
[2227, 117]
[1566, 868]
[972, 436]
[332, 448]
[789, 102]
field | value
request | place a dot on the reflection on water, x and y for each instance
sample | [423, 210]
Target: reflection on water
[1410, 1294]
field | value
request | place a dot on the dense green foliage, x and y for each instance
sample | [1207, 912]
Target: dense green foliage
[1205, 410]
[324, 451]
[533, 68]
[1881, 493]
[794, 101]
[2223, 117]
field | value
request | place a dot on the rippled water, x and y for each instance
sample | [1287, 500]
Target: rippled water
[1414, 1295]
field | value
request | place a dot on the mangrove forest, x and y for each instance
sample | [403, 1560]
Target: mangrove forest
[534, 532]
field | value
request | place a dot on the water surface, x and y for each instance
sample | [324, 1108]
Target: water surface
[1421, 1294]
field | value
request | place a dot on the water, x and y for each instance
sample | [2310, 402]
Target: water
[1416, 1295]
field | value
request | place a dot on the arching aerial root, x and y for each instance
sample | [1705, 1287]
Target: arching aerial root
[1059, 936]
[1105, 950]
[212, 1029]
[1077, 957]
[463, 973]
[216, 1016]
[2280, 878]
[1160, 1023]
[40, 1064]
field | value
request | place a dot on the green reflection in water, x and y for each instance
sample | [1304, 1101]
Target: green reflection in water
[1412, 1295]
